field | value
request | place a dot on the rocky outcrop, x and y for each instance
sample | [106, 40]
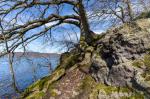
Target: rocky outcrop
[115, 66]
[119, 48]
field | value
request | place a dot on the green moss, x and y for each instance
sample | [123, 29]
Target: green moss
[88, 83]
[83, 45]
[111, 89]
[56, 75]
[64, 56]
[44, 82]
[135, 95]
[70, 61]
[53, 93]
[38, 95]
[30, 88]
[137, 63]
[92, 88]
[100, 87]
[143, 15]
[95, 38]
[148, 50]
[147, 78]
[108, 90]
[146, 75]
[82, 38]
[143, 62]
[147, 61]
[51, 88]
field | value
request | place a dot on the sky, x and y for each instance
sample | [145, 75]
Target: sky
[40, 44]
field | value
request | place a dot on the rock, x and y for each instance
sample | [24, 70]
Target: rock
[117, 51]
[116, 66]
[125, 75]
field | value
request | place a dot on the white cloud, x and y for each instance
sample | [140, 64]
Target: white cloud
[98, 31]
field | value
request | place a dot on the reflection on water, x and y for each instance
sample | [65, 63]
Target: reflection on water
[27, 70]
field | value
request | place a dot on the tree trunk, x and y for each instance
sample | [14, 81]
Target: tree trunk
[84, 25]
[129, 8]
[14, 83]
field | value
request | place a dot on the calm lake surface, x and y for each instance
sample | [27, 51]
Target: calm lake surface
[28, 69]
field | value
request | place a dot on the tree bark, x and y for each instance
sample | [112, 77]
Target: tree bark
[84, 25]
[14, 82]
[129, 8]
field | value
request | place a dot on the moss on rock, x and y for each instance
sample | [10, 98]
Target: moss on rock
[70, 61]
[109, 90]
[147, 60]
[135, 95]
[54, 92]
[38, 95]
[88, 83]
[137, 63]
[43, 84]
[142, 62]
[92, 89]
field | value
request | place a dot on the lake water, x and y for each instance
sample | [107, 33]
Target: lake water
[27, 70]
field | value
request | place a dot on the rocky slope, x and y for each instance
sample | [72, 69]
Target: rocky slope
[115, 66]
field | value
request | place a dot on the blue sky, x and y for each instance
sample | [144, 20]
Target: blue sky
[40, 45]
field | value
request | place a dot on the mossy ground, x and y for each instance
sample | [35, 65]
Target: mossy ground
[144, 62]
[52, 90]
[138, 63]
[38, 95]
[69, 61]
[109, 90]
[43, 84]
[87, 85]
[92, 89]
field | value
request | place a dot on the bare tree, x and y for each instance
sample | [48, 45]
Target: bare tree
[118, 11]
[129, 9]
[18, 18]
[17, 25]
[10, 60]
